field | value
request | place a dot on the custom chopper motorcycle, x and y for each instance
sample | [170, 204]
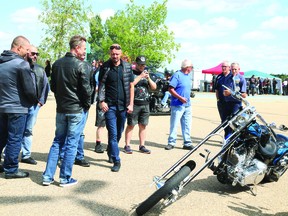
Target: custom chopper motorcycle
[253, 153]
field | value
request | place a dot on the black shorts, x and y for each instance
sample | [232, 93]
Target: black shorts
[100, 117]
[140, 115]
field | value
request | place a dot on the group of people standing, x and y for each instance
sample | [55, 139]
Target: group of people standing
[261, 86]
[122, 92]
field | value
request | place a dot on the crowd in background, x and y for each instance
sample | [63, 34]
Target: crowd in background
[262, 86]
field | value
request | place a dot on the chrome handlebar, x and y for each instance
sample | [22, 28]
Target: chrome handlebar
[237, 95]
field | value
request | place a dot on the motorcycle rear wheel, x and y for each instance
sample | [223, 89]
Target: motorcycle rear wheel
[172, 183]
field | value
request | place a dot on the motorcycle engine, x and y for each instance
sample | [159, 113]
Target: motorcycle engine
[242, 167]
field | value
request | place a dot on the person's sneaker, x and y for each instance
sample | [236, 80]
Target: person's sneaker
[19, 174]
[71, 182]
[99, 148]
[47, 182]
[127, 149]
[116, 167]
[190, 147]
[144, 150]
[169, 147]
[82, 163]
[29, 160]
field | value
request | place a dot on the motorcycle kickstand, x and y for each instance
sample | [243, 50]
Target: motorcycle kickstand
[253, 189]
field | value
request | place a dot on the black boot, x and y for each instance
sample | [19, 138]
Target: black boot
[116, 167]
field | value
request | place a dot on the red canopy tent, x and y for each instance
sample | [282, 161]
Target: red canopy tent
[215, 70]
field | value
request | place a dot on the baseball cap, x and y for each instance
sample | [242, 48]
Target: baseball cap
[141, 60]
[186, 63]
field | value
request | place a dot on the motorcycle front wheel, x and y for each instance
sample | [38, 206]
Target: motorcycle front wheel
[172, 183]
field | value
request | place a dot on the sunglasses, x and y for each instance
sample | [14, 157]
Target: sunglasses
[115, 47]
[34, 53]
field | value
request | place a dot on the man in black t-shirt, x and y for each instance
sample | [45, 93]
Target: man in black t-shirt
[140, 115]
[116, 95]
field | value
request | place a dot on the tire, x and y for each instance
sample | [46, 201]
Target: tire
[281, 139]
[167, 188]
[159, 113]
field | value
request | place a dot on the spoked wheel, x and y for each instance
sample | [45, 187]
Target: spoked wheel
[172, 183]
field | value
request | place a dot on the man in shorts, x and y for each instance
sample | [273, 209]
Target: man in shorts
[140, 115]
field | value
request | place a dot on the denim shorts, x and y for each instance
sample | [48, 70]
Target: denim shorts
[100, 117]
[140, 115]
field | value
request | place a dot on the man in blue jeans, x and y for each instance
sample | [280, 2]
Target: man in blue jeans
[17, 93]
[42, 93]
[116, 95]
[180, 87]
[79, 159]
[70, 82]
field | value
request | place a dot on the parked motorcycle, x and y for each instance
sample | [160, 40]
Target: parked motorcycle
[157, 95]
[253, 153]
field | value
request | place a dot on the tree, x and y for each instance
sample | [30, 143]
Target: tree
[281, 76]
[139, 30]
[63, 19]
[97, 30]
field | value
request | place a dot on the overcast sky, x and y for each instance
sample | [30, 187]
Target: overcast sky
[251, 32]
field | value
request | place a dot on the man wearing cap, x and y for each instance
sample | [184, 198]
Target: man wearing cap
[116, 96]
[180, 87]
[140, 115]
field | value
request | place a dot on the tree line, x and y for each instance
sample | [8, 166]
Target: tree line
[137, 28]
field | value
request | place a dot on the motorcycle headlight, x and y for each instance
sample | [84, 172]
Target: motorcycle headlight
[241, 120]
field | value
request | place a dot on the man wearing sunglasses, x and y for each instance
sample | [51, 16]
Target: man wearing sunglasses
[42, 87]
[116, 95]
